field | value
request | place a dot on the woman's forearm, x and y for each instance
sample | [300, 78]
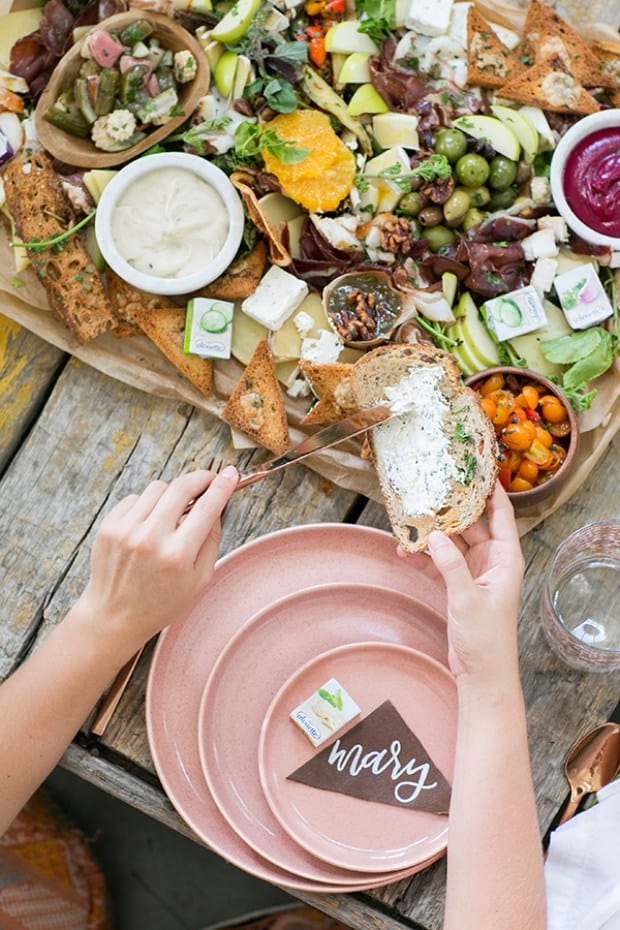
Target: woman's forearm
[44, 703]
[495, 866]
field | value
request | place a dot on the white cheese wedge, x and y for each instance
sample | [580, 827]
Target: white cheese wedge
[277, 296]
[324, 348]
[430, 17]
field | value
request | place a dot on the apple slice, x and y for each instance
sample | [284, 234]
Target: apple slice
[474, 332]
[522, 127]
[346, 37]
[355, 69]
[461, 354]
[503, 139]
[391, 129]
[366, 99]
[234, 24]
[225, 71]
[96, 180]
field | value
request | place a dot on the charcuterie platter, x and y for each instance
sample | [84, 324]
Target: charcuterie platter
[394, 171]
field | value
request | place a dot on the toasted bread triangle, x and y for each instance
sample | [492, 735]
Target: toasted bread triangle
[559, 39]
[489, 62]
[165, 327]
[326, 410]
[324, 376]
[256, 406]
[550, 86]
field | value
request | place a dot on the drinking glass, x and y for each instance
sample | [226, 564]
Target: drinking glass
[581, 598]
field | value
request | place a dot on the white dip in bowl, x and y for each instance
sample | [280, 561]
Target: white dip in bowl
[169, 223]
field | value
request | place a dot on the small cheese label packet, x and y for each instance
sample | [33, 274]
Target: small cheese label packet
[582, 297]
[515, 314]
[208, 327]
[325, 712]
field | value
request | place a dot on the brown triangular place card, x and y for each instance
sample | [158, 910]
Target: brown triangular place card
[379, 759]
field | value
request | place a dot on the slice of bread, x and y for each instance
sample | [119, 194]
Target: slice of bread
[165, 327]
[437, 463]
[549, 85]
[489, 62]
[256, 406]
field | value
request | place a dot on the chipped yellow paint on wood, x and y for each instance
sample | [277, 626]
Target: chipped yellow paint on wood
[27, 367]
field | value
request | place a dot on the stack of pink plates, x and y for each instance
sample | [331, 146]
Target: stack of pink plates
[282, 615]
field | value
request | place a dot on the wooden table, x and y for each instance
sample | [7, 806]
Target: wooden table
[73, 442]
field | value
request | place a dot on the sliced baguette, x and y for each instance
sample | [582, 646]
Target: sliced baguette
[437, 463]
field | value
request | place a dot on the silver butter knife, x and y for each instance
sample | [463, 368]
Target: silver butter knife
[329, 436]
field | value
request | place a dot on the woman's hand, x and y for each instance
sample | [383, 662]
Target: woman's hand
[483, 571]
[149, 562]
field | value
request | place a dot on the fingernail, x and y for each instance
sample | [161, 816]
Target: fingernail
[229, 472]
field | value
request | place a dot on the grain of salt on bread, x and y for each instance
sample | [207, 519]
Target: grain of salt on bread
[42, 211]
[165, 327]
[256, 405]
[437, 463]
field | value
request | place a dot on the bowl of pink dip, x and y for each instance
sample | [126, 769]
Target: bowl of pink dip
[585, 178]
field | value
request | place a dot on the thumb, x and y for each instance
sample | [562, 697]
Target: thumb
[451, 565]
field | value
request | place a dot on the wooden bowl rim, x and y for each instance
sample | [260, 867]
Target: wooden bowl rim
[541, 491]
[81, 152]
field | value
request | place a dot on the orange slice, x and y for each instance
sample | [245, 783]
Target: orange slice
[324, 193]
[306, 129]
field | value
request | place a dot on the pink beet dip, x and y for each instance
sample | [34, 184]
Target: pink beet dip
[592, 181]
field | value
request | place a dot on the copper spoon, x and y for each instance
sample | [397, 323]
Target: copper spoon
[591, 763]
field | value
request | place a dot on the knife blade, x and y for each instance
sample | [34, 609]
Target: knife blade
[329, 436]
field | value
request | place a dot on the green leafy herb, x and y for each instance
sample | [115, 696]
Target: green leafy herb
[437, 331]
[37, 245]
[195, 136]
[17, 282]
[251, 139]
[469, 467]
[460, 433]
[437, 166]
[280, 95]
[378, 18]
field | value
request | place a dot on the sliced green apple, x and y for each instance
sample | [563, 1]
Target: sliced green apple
[225, 71]
[503, 139]
[234, 25]
[338, 59]
[474, 332]
[522, 127]
[462, 356]
[546, 139]
[242, 76]
[449, 284]
[390, 129]
[346, 37]
[366, 99]
[96, 180]
[92, 247]
[214, 51]
[386, 160]
[355, 69]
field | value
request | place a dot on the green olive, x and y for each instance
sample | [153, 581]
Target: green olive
[411, 203]
[502, 173]
[473, 218]
[456, 206]
[479, 196]
[438, 236]
[452, 143]
[472, 170]
[501, 200]
[430, 216]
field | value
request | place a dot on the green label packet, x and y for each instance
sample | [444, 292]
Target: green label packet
[515, 314]
[208, 328]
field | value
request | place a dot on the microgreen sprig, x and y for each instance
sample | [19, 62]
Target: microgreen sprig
[37, 245]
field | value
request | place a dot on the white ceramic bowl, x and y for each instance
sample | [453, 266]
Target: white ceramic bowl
[606, 119]
[127, 176]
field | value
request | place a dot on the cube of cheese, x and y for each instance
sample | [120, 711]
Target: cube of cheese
[544, 272]
[325, 348]
[429, 17]
[557, 225]
[541, 244]
[277, 296]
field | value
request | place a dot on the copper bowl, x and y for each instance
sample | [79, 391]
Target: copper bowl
[552, 485]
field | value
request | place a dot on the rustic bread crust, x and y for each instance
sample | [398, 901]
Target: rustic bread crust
[489, 62]
[41, 211]
[470, 430]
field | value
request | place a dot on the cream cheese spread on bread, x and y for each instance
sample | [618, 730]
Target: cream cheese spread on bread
[413, 449]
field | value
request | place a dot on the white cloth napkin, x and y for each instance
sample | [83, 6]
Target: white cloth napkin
[582, 871]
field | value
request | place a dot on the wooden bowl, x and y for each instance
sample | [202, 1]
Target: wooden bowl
[82, 152]
[539, 492]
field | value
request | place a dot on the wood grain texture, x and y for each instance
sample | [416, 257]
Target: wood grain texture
[28, 368]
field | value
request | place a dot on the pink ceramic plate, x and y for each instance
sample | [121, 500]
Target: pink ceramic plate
[338, 828]
[269, 648]
[246, 580]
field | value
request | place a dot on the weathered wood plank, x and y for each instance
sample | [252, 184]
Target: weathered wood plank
[28, 368]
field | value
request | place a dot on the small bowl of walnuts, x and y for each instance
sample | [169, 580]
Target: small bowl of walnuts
[536, 429]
